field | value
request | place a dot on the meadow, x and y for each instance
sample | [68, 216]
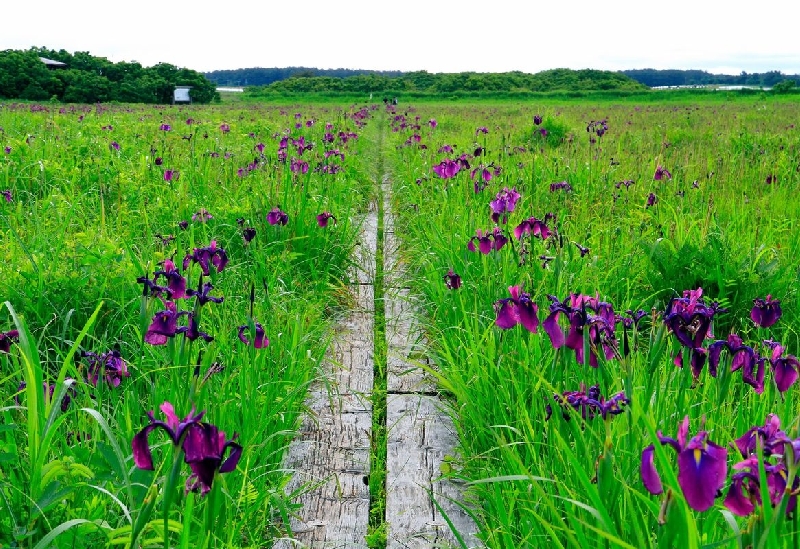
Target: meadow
[602, 281]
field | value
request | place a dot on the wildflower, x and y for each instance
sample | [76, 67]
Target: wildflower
[204, 451]
[114, 145]
[452, 280]
[202, 215]
[588, 403]
[582, 249]
[690, 318]
[165, 127]
[583, 312]
[743, 357]
[324, 217]
[276, 216]
[482, 129]
[487, 241]
[158, 161]
[224, 128]
[518, 309]
[765, 312]
[7, 150]
[298, 166]
[504, 203]
[175, 428]
[7, 195]
[169, 175]
[6, 339]
[192, 330]
[769, 437]
[183, 225]
[110, 365]
[652, 199]
[661, 173]
[447, 168]
[537, 119]
[164, 325]
[203, 256]
[561, 185]
[532, 226]
[784, 368]
[202, 293]
[260, 341]
[176, 283]
[702, 467]
[248, 234]
[432, 123]
[446, 149]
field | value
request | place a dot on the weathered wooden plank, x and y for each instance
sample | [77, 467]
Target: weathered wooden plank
[331, 455]
[420, 432]
[420, 437]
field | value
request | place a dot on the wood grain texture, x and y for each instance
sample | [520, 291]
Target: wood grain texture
[331, 454]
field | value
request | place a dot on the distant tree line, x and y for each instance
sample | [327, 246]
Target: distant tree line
[89, 79]
[259, 76]
[673, 77]
[423, 81]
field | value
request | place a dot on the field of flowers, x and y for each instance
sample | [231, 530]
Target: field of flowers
[606, 283]
[602, 283]
[169, 279]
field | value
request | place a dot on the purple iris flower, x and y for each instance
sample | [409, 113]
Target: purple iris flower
[7, 195]
[532, 226]
[652, 200]
[537, 119]
[202, 294]
[224, 128]
[158, 161]
[260, 341]
[202, 215]
[765, 312]
[298, 165]
[452, 280]
[6, 339]
[165, 127]
[769, 437]
[702, 467]
[446, 149]
[743, 357]
[204, 450]
[503, 204]
[169, 175]
[192, 329]
[7, 150]
[276, 216]
[114, 145]
[690, 318]
[784, 368]
[433, 123]
[661, 173]
[447, 168]
[560, 186]
[248, 234]
[518, 309]
[482, 129]
[210, 255]
[584, 312]
[588, 403]
[324, 218]
[488, 241]
[176, 283]
[164, 325]
[744, 493]
[109, 365]
[174, 427]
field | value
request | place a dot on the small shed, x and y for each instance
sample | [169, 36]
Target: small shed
[181, 94]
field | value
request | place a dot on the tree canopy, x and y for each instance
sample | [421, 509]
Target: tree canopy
[89, 79]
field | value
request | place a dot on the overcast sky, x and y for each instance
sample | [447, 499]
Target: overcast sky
[438, 36]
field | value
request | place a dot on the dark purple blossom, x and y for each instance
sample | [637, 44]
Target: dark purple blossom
[202, 293]
[503, 204]
[532, 226]
[652, 200]
[248, 234]
[662, 173]
[447, 168]
[192, 329]
[164, 325]
[589, 404]
[452, 280]
[165, 127]
[488, 241]
[170, 175]
[560, 186]
[210, 255]
[176, 283]
[202, 215]
[702, 467]
[259, 341]
[7, 195]
[765, 312]
[537, 119]
[276, 216]
[204, 451]
[517, 309]
[584, 313]
[6, 339]
[109, 365]
[324, 218]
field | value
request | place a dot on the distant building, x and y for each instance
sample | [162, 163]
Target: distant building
[53, 64]
[181, 94]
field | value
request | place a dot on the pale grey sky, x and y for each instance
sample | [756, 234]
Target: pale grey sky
[437, 36]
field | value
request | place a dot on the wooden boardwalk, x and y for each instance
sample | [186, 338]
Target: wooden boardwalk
[332, 451]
